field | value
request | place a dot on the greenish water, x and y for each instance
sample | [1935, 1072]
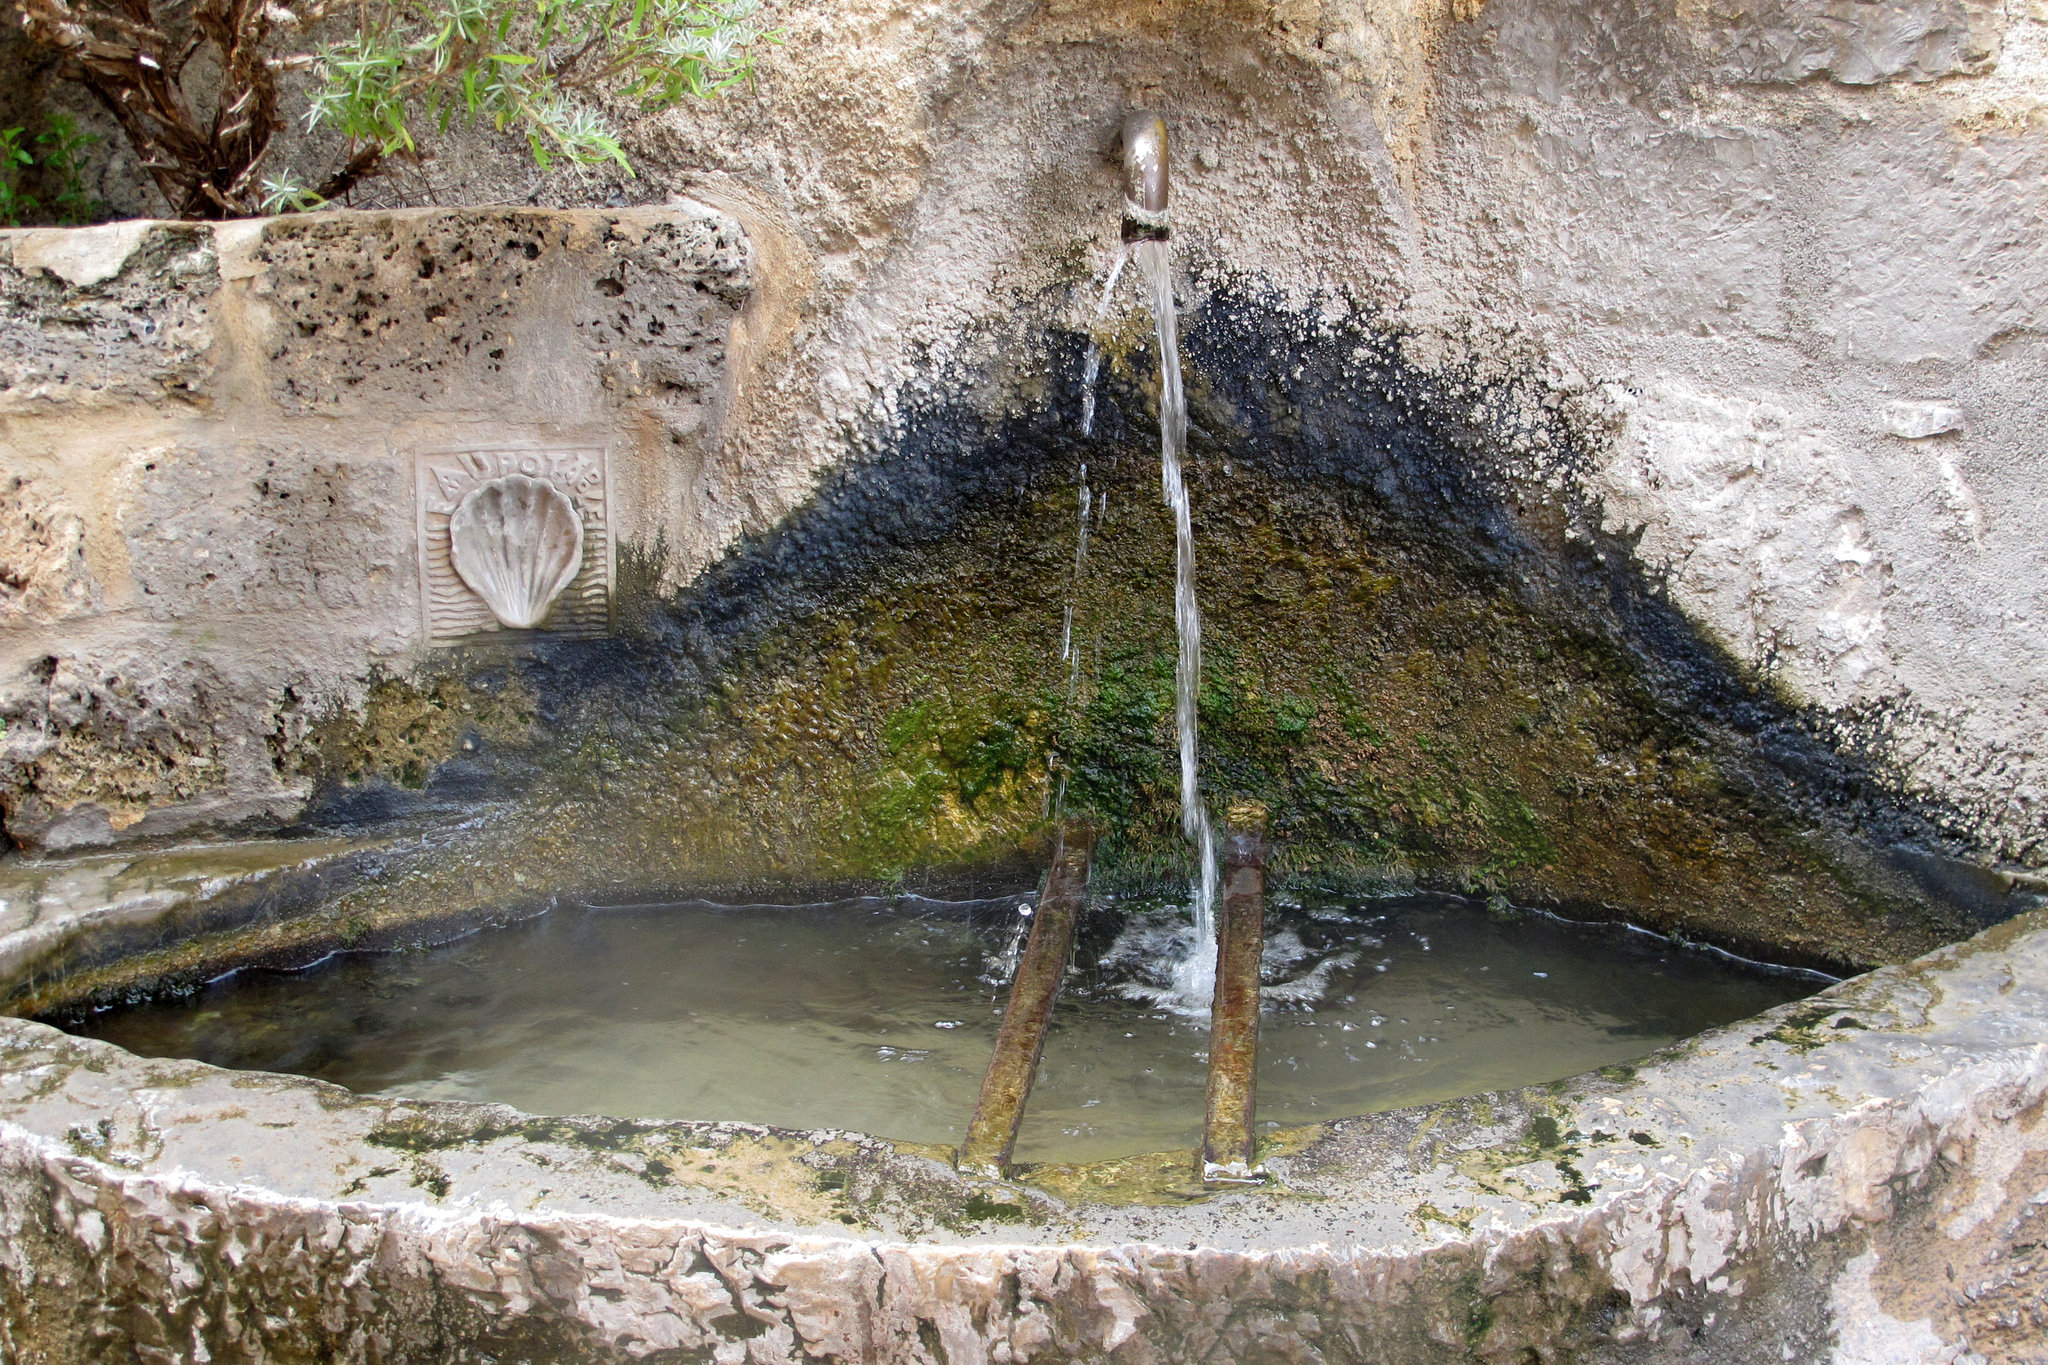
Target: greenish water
[878, 1015]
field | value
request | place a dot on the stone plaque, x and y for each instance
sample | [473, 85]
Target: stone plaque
[450, 611]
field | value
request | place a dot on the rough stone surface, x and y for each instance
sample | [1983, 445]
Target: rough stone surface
[465, 312]
[1745, 232]
[207, 441]
[92, 317]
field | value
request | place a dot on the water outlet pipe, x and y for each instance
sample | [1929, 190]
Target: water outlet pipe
[992, 1132]
[1142, 142]
[1228, 1139]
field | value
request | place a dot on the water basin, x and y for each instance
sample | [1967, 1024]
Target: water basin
[878, 1015]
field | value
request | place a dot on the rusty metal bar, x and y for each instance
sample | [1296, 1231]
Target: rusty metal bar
[992, 1132]
[1228, 1138]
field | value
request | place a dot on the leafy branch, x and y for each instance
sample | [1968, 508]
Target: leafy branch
[407, 71]
[527, 67]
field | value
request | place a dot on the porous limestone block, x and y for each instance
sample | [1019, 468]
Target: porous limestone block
[92, 316]
[495, 310]
[211, 438]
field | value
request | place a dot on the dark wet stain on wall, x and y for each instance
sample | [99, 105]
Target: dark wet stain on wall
[1430, 663]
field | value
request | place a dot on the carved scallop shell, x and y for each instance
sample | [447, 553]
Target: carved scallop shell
[516, 542]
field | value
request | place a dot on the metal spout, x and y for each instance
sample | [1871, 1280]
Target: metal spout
[1145, 176]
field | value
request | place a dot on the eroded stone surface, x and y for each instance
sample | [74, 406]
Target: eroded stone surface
[1855, 44]
[460, 311]
[1737, 232]
[1734, 234]
[207, 442]
[42, 543]
[97, 315]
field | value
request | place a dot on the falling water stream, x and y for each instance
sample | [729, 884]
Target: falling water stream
[1094, 365]
[1191, 981]
[1194, 975]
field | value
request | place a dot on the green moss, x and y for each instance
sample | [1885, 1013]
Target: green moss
[1576, 1190]
[407, 728]
[1799, 1030]
[1406, 716]
[124, 775]
[948, 772]
[416, 1134]
[1479, 1315]
[1426, 1214]
[980, 1208]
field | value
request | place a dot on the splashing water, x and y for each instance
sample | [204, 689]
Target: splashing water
[1194, 975]
[1143, 962]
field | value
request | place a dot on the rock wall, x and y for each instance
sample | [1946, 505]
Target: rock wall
[216, 447]
[1792, 251]
[1800, 260]
[1789, 254]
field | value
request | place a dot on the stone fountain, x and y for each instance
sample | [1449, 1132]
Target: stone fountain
[1614, 484]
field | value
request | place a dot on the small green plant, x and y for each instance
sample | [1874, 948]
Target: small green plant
[61, 154]
[287, 193]
[65, 149]
[16, 205]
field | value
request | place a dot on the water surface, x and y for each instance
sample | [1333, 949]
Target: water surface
[878, 1015]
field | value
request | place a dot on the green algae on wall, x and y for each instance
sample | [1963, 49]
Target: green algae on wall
[1380, 670]
[1404, 662]
[906, 725]
[1407, 717]
[406, 728]
[123, 778]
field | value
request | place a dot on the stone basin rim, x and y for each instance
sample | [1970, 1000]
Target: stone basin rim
[1772, 1183]
[1490, 1133]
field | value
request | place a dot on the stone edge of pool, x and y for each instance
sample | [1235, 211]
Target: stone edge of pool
[1817, 1164]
